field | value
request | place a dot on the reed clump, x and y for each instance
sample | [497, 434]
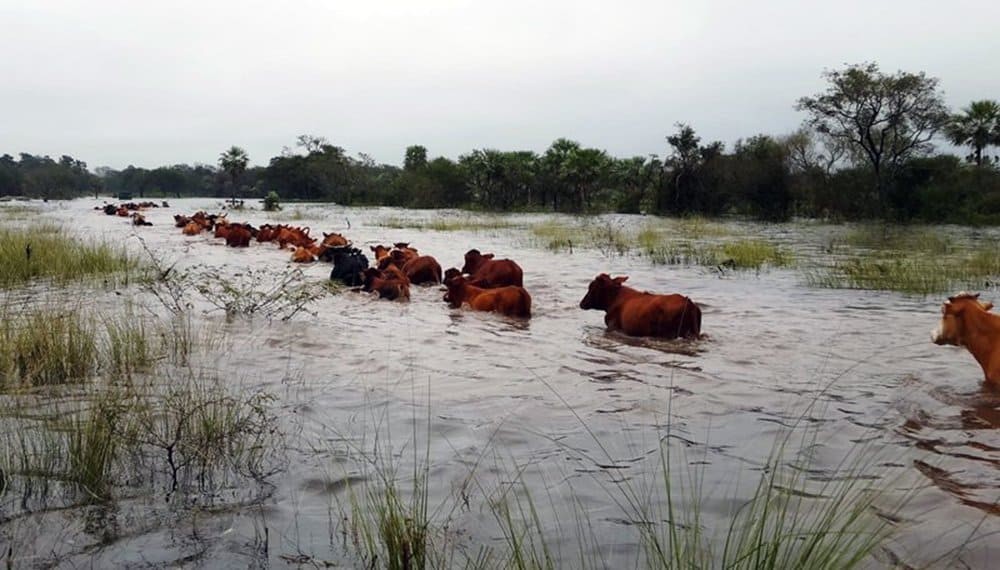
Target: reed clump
[49, 252]
[915, 272]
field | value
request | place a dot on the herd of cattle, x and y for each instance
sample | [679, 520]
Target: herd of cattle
[483, 283]
[497, 285]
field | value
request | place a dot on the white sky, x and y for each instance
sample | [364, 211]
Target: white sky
[155, 82]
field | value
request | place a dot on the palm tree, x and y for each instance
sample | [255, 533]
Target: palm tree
[234, 162]
[978, 126]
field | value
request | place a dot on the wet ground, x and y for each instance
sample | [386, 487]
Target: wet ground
[580, 409]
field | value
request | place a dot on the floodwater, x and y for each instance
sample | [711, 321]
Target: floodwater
[579, 412]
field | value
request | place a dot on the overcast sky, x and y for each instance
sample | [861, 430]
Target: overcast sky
[150, 82]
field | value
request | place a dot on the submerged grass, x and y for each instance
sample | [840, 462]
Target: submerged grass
[449, 223]
[791, 519]
[46, 347]
[85, 405]
[50, 346]
[49, 252]
[735, 254]
[914, 272]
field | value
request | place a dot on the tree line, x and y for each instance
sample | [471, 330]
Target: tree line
[864, 151]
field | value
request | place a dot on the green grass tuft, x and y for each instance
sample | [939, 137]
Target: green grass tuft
[59, 256]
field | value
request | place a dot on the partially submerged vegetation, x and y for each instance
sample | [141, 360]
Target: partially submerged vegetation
[97, 407]
[46, 251]
[685, 241]
[918, 260]
[441, 223]
[791, 519]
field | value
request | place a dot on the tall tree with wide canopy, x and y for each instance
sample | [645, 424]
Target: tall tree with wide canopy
[887, 119]
[977, 127]
[234, 163]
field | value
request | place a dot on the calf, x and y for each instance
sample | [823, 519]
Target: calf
[484, 271]
[637, 313]
[510, 300]
[390, 284]
[967, 321]
[140, 220]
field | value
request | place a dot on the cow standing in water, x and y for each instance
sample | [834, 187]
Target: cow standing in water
[967, 321]
[638, 313]
[510, 300]
[484, 271]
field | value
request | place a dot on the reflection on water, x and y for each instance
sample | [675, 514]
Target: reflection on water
[777, 354]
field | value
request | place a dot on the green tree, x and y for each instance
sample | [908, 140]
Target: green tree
[695, 175]
[887, 119]
[234, 163]
[271, 202]
[416, 158]
[762, 177]
[977, 127]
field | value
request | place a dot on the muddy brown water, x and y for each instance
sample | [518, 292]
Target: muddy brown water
[578, 410]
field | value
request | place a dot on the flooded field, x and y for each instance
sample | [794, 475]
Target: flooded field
[542, 441]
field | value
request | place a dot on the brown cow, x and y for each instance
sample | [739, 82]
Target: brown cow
[638, 313]
[193, 228]
[510, 300]
[139, 220]
[390, 284]
[239, 235]
[222, 229]
[484, 271]
[303, 255]
[422, 270]
[967, 321]
[294, 236]
[334, 240]
[380, 251]
[266, 233]
[181, 221]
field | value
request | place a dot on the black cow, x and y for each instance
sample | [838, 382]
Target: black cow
[348, 263]
[110, 209]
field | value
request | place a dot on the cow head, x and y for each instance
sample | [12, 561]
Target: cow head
[474, 259]
[954, 313]
[455, 283]
[603, 290]
[380, 251]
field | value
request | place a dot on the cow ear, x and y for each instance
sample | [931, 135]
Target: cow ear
[488, 256]
[620, 280]
[986, 305]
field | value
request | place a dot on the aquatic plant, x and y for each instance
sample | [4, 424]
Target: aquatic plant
[911, 272]
[45, 347]
[49, 252]
[442, 223]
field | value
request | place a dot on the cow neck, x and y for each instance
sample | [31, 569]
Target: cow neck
[981, 336]
[624, 293]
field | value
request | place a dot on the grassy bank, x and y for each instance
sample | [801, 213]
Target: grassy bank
[49, 252]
